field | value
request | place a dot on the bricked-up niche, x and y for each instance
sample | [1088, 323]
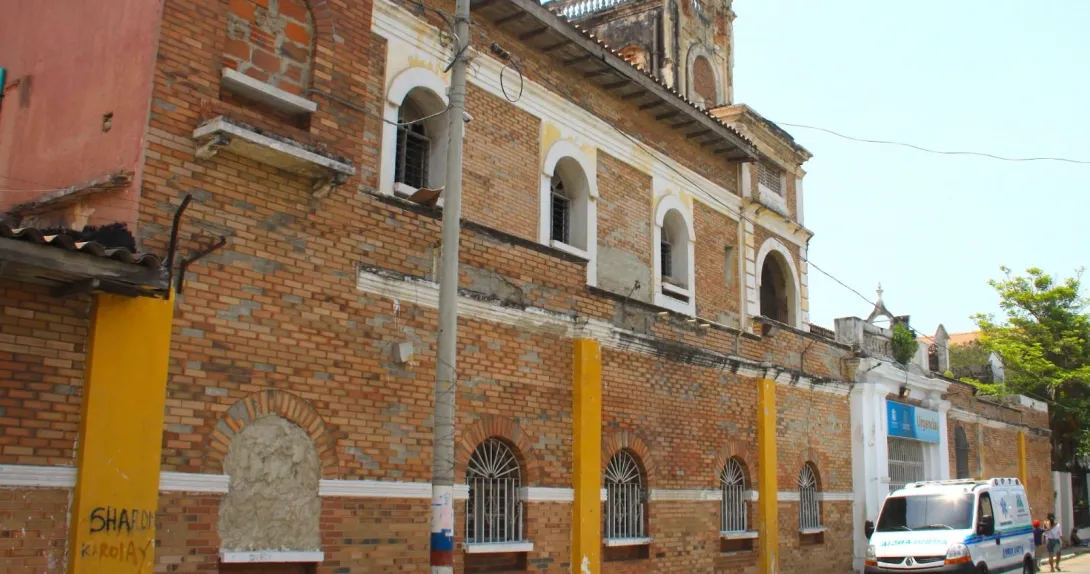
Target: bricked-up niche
[285, 405]
[272, 502]
[272, 41]
[704, 81]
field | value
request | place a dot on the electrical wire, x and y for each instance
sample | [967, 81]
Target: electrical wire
[934, 151]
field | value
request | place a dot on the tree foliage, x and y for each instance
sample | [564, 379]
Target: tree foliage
[1044, 343]
[967, 355]
[904, 344]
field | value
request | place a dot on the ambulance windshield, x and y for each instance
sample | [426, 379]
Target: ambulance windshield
[926, 512]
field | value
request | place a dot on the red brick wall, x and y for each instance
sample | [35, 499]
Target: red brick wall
[815, 426]
[42, 344]
[704, 80]
[270, 41]
[33, 527]
[716, 297]
[502, 176]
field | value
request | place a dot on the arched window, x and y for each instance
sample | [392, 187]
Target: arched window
[777, 297]
[625, 498]
[569, 202]
[733, 482]
[674, 252]
[414, 133]
[494, 511]
[421, 148]
[809, 502]
[961, 452]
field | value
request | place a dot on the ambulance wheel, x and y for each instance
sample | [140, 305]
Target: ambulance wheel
[982, 568]
[1029, 566]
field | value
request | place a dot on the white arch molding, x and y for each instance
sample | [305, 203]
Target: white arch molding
[586, 202]
[400, 86]
[795, 313]
[666, 204]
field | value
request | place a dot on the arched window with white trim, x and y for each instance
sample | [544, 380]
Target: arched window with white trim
[414, 133]
[809, 499]
[674, 251]
[732, 479]
[626, 498]
[494, 510]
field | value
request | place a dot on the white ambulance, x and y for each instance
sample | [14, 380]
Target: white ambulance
[953, 526]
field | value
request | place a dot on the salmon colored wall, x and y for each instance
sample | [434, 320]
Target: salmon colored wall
[51, 135]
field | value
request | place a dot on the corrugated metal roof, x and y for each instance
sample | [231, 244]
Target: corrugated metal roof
[91, 248]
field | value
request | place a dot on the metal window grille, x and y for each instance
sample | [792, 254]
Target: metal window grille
[494, 511]
[413, 149]
[733, 481]
[561, 223]
[666, 258]
[809, 506]
[905, 462]
[769, 177]
[625, 498]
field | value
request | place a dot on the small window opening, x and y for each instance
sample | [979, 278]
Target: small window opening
[770, 177]
[561, 212]
[413, 147]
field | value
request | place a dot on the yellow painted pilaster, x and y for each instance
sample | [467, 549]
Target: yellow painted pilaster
[767, 511]
[587, 467]
[1023, 474]
[120, 437]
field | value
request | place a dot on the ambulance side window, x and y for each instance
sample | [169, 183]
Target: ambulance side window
[985, 515]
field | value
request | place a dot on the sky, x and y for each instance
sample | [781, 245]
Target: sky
[1002, 77]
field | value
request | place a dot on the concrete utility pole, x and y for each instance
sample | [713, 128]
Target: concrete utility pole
[442, 466]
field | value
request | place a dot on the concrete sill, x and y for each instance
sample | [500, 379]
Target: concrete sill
[738, 535]
[569, 249]
[255, 89]
[616, 542]
[671, 289]
[817, 530]
[276, 556]
[221, 133]
[497, 547]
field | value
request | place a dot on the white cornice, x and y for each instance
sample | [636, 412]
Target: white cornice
[37, 476]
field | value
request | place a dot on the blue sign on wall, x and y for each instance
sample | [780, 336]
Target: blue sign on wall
[907, 421]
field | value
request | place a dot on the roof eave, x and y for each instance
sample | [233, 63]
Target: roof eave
[727, 141]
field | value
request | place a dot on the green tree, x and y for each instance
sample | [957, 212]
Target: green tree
[971, 354]
[904, 344]
[1044, 343]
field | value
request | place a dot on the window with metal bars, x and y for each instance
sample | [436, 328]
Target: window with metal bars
[809, 504]
[666, 258]
[413, 147]
[770, 177]
[733, 482]
[561, 212]
[494, 511]
[625, 498]
[905, 462]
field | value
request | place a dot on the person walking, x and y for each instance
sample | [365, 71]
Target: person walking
[1039, 551]
[1054, 541]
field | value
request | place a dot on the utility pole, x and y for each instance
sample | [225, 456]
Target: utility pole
[442, 466]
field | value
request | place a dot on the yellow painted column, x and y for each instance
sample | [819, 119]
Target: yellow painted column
[587, 460]
[112, 525]
[1023, 474]
[767, 511]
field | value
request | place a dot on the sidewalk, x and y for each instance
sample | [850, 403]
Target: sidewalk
[1075, 560]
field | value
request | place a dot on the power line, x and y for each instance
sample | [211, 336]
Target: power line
[934, 151]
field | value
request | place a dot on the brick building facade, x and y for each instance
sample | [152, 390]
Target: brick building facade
[602, 211]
